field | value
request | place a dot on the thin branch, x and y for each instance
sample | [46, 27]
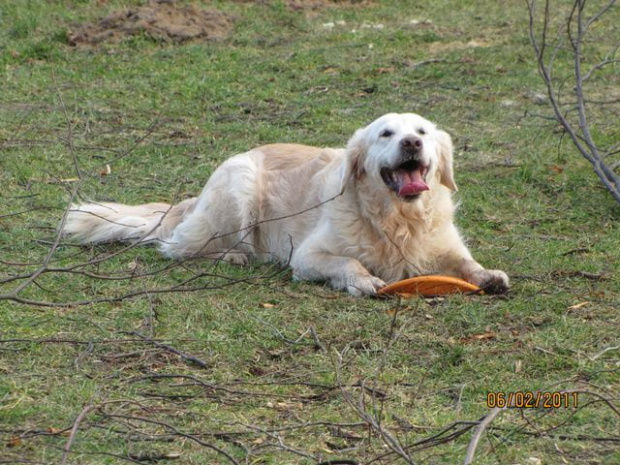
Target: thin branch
[598, 15]
[602, 64]
[184, 356]
[178, 433]
[76, 424]
[581, 137]
[50, 254]
[72, 152]
[151, 129]
[471, 449]
[373, 421]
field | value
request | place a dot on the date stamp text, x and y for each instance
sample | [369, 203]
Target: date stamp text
[532, 399]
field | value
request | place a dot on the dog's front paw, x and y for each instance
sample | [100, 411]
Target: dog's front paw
[234, 257]
[359, 286]
[492, 281]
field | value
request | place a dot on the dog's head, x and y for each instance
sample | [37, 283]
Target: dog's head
[405, 153]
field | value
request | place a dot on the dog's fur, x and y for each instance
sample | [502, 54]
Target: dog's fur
[376, 212]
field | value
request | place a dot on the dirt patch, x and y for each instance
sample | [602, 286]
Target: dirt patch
[160, 20]
[439, 47]
[305, 5]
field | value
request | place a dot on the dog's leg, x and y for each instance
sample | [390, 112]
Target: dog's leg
[457, 260]
[492, 281]
[195, 236]
[343, 273]
[314, 262]
[220, 225]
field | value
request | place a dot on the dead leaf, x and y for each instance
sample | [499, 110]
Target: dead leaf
[133, 266]
[60, 431]
[289, 405]
[275, 354]
[266, 305]
[285, 405]
[14, 442]
[394, 310]
[340, 432]
[518, 366]
[151, 456]
[579, 305]
[106, 170]
[486, 336]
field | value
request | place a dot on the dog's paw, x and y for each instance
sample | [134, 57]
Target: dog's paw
[232, 256]
[236, 258]
[359, 286]
[492, 281]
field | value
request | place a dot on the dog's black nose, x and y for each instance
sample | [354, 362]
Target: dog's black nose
[411, 143]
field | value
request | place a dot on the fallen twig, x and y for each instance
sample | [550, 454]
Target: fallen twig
[184, 356]
[471, 449]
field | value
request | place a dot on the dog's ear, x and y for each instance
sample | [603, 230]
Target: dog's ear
[353, 165]
[445, 168]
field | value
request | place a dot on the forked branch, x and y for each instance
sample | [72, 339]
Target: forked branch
[548, 50]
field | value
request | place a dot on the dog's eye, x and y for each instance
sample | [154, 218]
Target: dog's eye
[387, 133]
[421, 131]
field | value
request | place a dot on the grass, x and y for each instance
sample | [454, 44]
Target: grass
[281, 356]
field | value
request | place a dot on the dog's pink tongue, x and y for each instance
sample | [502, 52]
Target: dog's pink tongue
[411, 183]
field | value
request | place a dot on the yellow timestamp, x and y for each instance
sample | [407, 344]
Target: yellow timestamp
[532, 399]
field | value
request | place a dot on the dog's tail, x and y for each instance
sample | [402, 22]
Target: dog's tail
[106, 222]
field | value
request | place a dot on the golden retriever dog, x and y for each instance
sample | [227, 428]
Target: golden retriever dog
[377, 211]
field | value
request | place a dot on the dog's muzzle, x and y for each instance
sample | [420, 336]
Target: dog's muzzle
[408, 177]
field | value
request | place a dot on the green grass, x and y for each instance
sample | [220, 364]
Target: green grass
[164, 115]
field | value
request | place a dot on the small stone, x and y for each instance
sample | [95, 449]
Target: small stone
[508, 103]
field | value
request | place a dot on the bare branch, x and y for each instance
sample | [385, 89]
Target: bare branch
[580, 132]
[598, 15]
[178, 433]
[471, 449]
[76, 424]
[72, 152]
[184, 356]
[373, 420]
[48, 258]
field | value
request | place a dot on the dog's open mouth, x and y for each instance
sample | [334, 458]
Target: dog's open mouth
[407, 179]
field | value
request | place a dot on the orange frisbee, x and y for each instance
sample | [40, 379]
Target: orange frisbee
[429, 286]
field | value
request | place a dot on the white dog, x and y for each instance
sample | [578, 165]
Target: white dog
[376, 212]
